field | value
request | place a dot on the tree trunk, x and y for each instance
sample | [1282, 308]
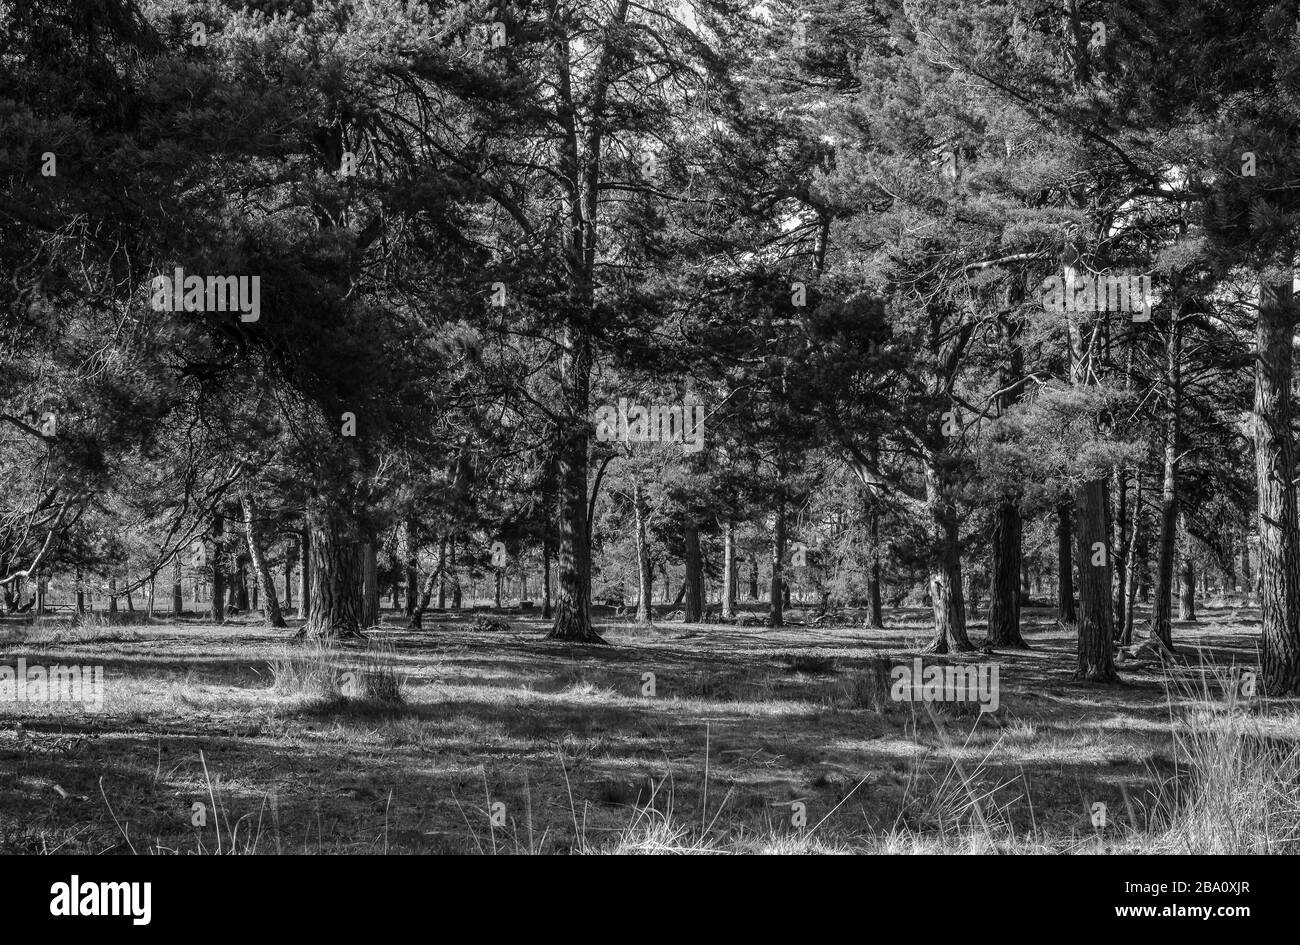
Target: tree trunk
[644, 577]
[112, 595]
[434, 579]
[776, 616]
[499, 577]
[1126, 638]
[728, 570]
[455, 574]
[241, 584]
[1004, 586]
[753, 576]
[290, 560]
[253, 533]
[875, 616]
[694, 608]
[369, 585]
[573, 606]
[1279, 544]
[1119, 543]
[945, 566]
[1096, 610]
[412, 566]
[1187, 589]
[81, 594]
[1161, 615]
[1004, 593]
[178, 604]
[1065, 611]
[336, 578]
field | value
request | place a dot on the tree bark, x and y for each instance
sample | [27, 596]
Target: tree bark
[694, 607]
[369, 585]
[336, 577]
[178, 603]
[456, 592]
[253, 534]
[1187, 589]
[1096, 613]
[1119, 543]
[1004, 596]
[728, 570]
[1126, 638]
[945, 568]
[573, 604]
[1279, 544]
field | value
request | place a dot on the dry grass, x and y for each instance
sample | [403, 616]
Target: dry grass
[754, 741]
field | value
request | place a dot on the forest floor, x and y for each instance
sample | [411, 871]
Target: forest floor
[747, 728]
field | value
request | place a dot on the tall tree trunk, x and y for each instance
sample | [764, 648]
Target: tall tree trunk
[290, 559]
[1187, 589]
[412, 566]
[1065, 611]
[753, 576]
[112, 595]
[644, 577]
[241, 584]
[945, 568]
[369, 585]
[776, 614]
[573, 605]
[1119, 543]
[455, 574]
[336, 577]
[178, 604]
[81, 593]
[1004, 590]
[253, 534]
[694, 608]
[728, 570]
[1126, 637]
[1096, 613]
[1004, 597]
[1161, 616]
[1279, 544]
